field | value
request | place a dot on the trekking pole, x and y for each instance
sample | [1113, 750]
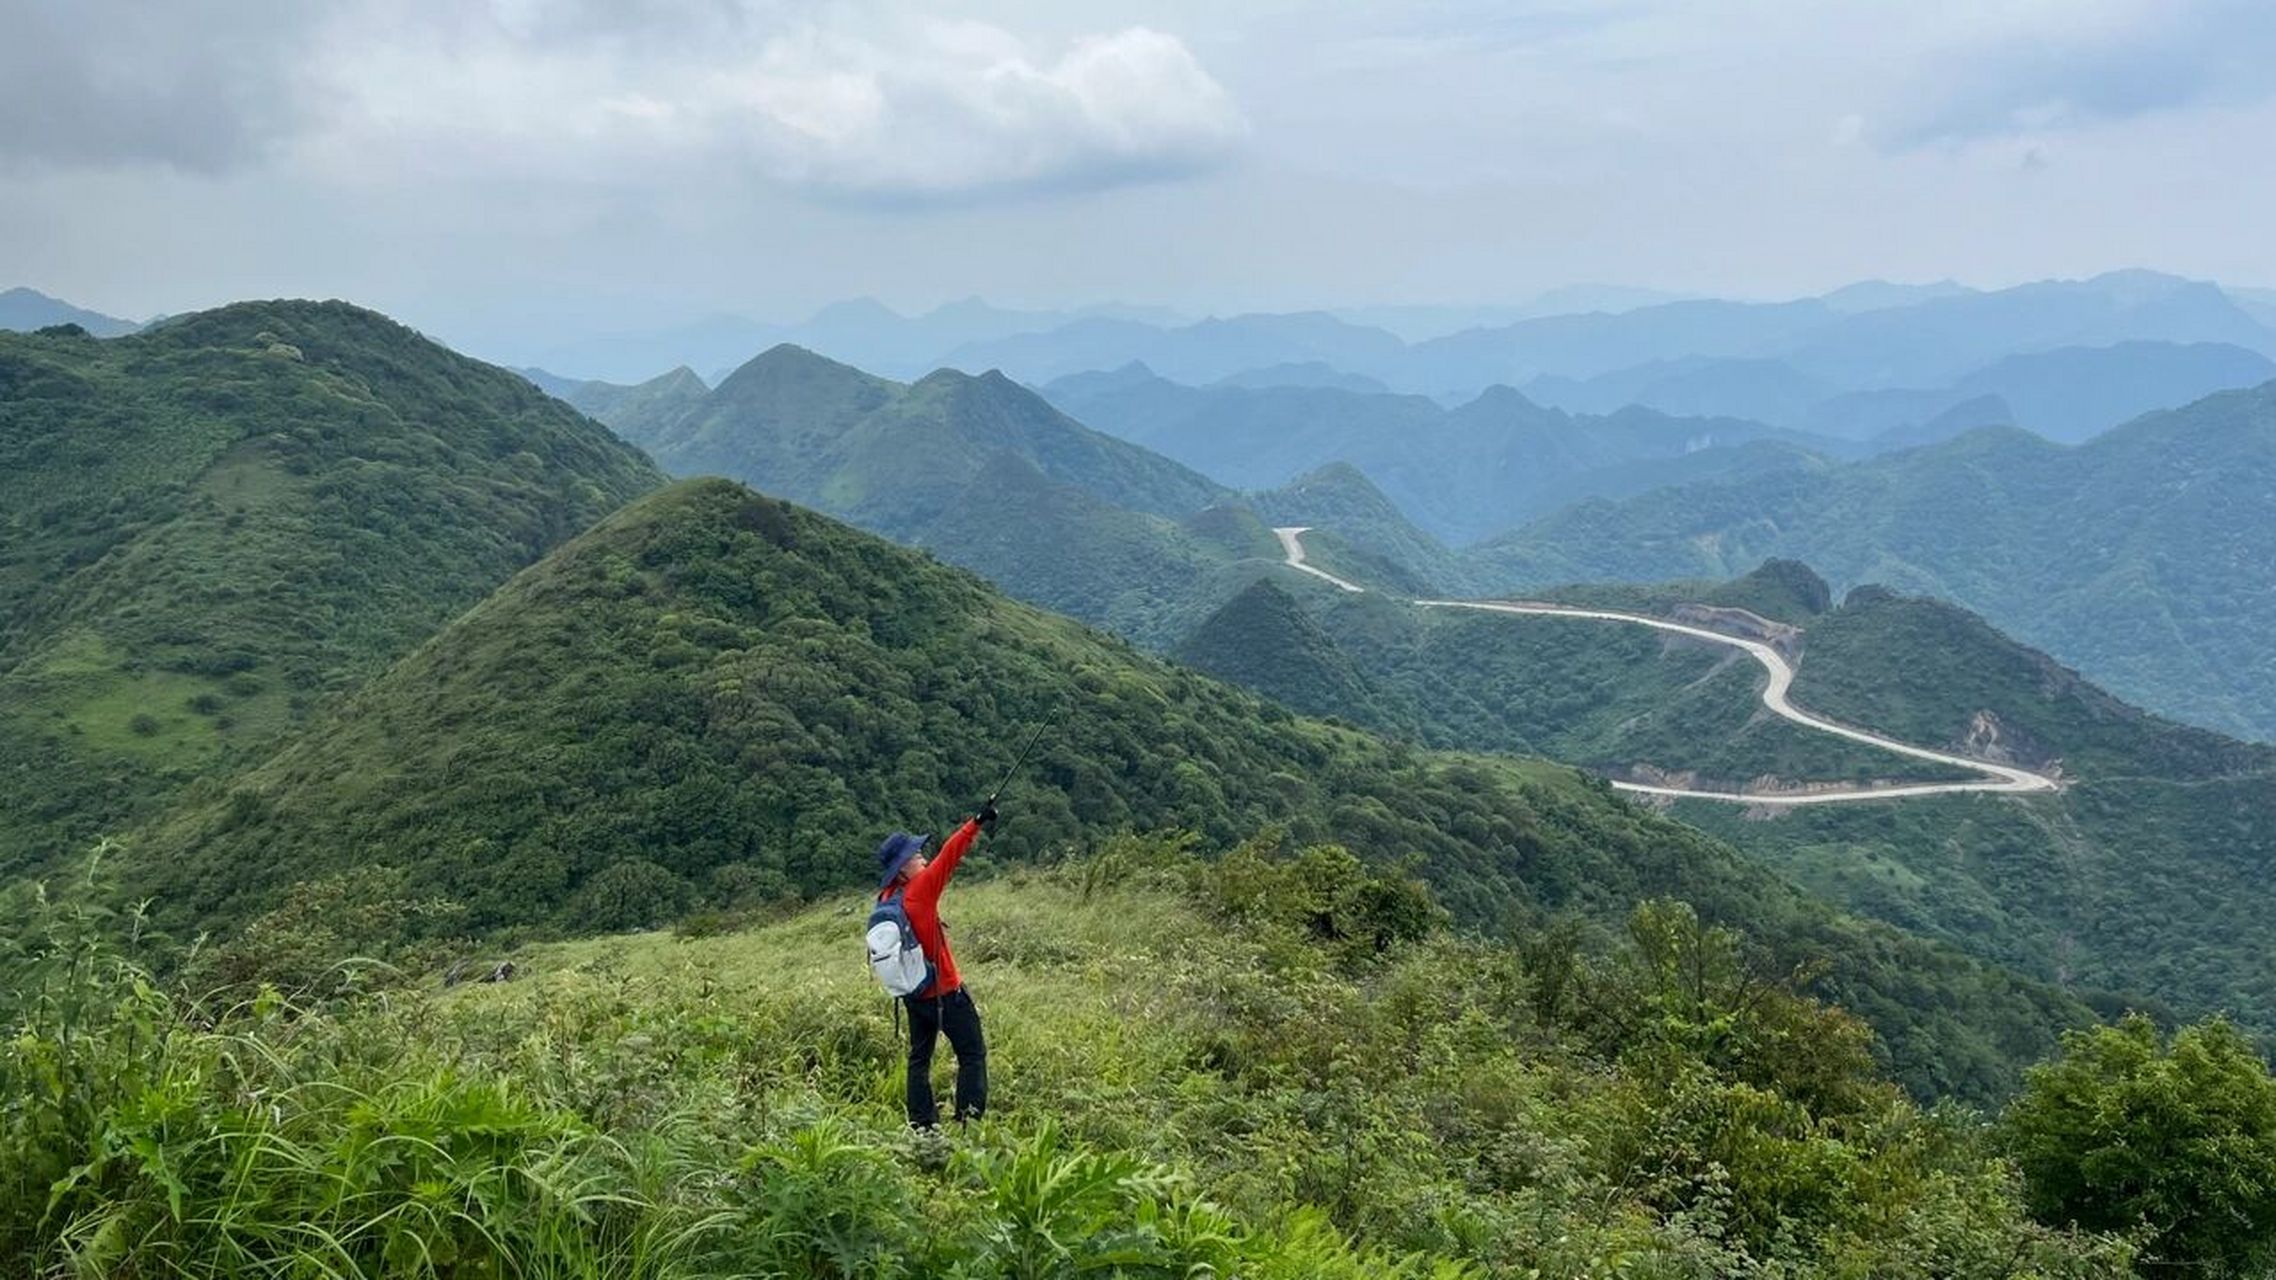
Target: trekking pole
[1021, 759]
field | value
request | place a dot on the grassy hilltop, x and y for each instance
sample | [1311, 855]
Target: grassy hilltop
[210, 527]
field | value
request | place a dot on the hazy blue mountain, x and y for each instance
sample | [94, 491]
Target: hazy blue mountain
[870, 335]
[1308, 373]
[1584, 346]
[23, 310]
[1946, 338]
[1196, 353]
[2072, 393]
[616, 406]
[1462, 473]
[1889, 414]
[2067, 393]
[1933, 338]
[1959, 420]
[1880, 295]
[2140, 556]
[1247, 437]
[633, 356]
[859, 331]
[2260, 304]
[1418, 323]
[1761, 389]
[554, 384]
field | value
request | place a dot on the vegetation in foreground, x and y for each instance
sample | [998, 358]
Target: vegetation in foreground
[1269, 1064]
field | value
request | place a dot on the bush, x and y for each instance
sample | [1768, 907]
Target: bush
[2127, 1131]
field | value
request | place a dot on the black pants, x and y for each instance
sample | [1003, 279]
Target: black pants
[955, 1015]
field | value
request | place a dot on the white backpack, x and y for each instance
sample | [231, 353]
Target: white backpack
[895, 955]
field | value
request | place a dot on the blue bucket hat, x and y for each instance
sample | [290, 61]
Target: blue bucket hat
[897, 849]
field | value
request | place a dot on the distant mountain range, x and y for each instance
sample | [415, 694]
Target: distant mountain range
[2141, 556]
[2134, 556]
[861, 331]
[2067, 393]
[1867, 337]
[24, 310]
[1462, 473]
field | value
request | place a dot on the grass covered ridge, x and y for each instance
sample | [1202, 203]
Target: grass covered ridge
[1272, 1064]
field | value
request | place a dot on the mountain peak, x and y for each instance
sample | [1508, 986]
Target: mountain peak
[786, 364]
[1263, 639]
[1501, 398]
[25, 309]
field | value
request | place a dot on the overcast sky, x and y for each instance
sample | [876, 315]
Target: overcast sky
[479, 167]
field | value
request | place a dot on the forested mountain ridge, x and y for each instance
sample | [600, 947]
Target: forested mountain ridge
[2145, 874]
[1360, 534]
[209, 527]
[889, 455]
[717, 697]
[1622, 701]
[2139, 556]
[978, 470]
[2149, 873]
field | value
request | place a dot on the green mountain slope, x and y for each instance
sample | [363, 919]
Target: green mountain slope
[890, 456]
[2148, 873]
[2144, 875]
[616, 406]
[715, 696]
[2139, 556]
[1352, 515]
[209, 527]
[1263, 640]
[1622, 701]
[977, 469]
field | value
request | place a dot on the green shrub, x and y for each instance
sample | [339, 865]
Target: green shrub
[2176, 1139]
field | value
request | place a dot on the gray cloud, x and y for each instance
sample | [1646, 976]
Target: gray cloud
[201, 87]
[872, 103]
[2095, 63]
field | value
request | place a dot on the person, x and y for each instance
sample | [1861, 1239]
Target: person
[944, 1005]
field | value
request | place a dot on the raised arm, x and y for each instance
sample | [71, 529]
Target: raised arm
[925, 886]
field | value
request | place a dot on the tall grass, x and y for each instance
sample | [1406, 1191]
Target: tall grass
[148, 1133]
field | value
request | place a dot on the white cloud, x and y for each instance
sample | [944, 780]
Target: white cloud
[889, 109]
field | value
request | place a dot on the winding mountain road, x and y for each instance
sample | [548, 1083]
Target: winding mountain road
[1998, 778]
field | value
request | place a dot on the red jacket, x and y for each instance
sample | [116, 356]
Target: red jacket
[921, 899]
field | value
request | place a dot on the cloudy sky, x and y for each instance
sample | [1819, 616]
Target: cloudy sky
[484, 168]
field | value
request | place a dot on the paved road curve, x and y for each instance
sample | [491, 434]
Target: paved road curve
[1996, 777]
